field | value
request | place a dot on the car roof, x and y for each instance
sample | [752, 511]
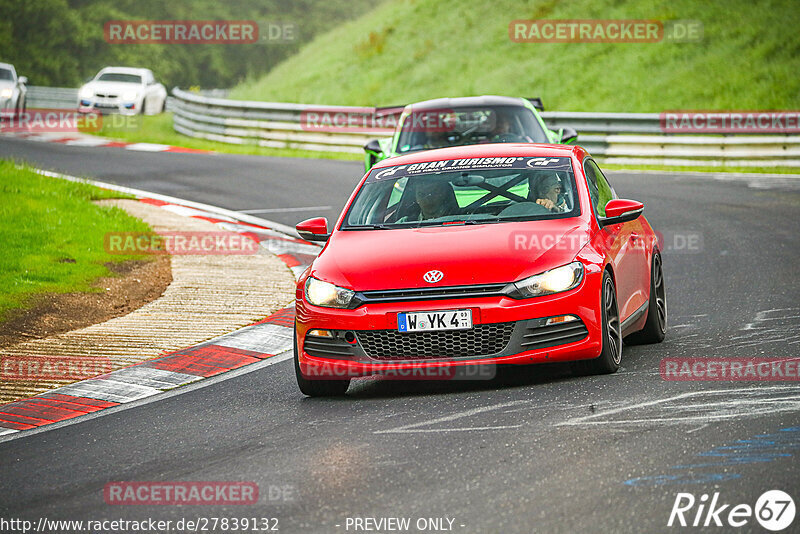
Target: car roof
[467, 101]
[486, 151]
[8, 66]
[124, 70]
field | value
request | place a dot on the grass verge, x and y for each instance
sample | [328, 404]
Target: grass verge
[158, 129]
[52, 236]
[702, 168]
[411, 50]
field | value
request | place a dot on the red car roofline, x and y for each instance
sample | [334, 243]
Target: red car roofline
[486, 150]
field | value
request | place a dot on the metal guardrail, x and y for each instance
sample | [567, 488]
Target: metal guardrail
[63, 98]
[623, 138]
[52, 97]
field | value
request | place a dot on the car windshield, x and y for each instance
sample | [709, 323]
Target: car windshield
[119, 77]
[6, 74]
[465, 191]
[439, 128]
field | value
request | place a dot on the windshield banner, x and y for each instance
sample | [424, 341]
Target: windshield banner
[469, 164]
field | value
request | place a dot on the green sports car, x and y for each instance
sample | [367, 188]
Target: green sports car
[446, 122]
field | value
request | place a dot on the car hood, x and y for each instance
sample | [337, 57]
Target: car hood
[480, 254]
[112, 87]
[4, 84]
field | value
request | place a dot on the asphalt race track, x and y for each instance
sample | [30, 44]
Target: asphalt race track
[530, 451]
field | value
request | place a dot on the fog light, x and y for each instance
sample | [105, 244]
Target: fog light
[350, 337]
[561, 319]
[320, 333]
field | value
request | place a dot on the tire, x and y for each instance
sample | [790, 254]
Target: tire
[655, 328]
[144, 106]
[317, 388]
[611, 355]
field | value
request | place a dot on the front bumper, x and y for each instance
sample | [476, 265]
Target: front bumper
[107, 106]
[506, 331]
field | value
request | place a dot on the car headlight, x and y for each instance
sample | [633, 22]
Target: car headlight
[555, 280]
[327, 295]
[129, 95]
[86, 92]
[6, 93]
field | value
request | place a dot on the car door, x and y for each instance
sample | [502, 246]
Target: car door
[151, 93]
[622, 242]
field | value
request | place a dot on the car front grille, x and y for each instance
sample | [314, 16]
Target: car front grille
[481, 340]
[539, 336]
[431, 293]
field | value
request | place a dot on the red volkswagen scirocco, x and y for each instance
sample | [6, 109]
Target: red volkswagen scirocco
[477, 255]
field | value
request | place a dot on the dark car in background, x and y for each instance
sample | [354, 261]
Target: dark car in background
[446, 122]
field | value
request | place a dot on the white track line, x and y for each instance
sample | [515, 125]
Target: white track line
[413, 428]
[283, 210]
[198, 205]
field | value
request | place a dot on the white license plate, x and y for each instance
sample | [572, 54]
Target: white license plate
[434, 320]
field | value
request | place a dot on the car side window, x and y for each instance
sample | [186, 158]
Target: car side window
[600, 190]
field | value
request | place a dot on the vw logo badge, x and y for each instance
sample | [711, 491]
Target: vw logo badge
[433, 276]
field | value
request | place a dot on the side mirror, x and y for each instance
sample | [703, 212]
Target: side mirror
[373, 146]
[315, 229]
[620, 210]
[23, 80]
[568, 135]
[373, 153]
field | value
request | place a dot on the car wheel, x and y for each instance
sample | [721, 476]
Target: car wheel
[656, 326]
[317, 388]
[144, 106]
[611, 355]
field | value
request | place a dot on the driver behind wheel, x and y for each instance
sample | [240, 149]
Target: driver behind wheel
[434, 199]
[548, 193]
[504, 131]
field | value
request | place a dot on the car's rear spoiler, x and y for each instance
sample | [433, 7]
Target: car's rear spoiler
[537, 103]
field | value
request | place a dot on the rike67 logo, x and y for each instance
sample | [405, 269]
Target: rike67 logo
[774, 510]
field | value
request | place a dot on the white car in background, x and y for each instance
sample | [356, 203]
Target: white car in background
[12, 91]
[123, 90]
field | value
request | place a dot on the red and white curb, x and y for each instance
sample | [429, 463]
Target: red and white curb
[84, 140]
[249, 345]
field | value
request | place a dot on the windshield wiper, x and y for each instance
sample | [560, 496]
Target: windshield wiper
[379, 226]
[455, 223]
